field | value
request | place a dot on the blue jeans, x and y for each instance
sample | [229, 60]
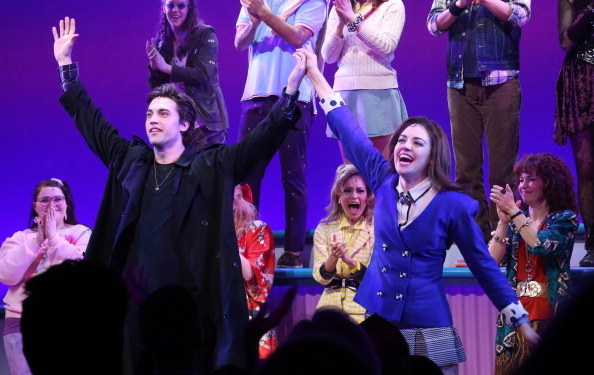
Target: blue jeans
[13, 346]
[293, 159]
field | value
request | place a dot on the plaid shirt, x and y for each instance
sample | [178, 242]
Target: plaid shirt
[519, 16]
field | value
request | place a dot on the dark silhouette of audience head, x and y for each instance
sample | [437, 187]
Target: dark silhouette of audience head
[329, 342]
[72, 321]
[389, 344]
[170, 333]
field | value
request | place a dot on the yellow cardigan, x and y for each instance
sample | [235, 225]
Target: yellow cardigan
[360, 247]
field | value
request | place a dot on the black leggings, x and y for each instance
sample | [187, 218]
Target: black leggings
[582, 145]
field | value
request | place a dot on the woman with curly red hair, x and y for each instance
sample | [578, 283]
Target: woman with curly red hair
[535, 242]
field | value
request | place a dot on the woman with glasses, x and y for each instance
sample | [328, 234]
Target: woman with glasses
[53, 236]
[184, 52]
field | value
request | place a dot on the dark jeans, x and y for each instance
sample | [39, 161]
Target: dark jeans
[293, 159]
[491, 112]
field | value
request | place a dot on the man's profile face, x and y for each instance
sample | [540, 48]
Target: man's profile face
[163, 127]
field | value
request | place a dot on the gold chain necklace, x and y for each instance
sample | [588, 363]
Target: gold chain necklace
[157, 184]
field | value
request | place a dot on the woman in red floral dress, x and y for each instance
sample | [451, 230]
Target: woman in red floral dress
[256, 251]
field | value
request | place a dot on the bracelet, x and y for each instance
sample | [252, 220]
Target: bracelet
[528, 222]
[496, 238]
[515, 215]
[357, 268]
[352, 26]
[455, 10]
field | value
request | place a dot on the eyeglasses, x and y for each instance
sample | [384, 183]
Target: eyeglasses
[46, 201]
[170, 5]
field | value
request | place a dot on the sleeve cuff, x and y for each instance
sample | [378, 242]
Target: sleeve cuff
[514, 314]
[289, 103]
[68, 75]
[331, 102]
[325, 274]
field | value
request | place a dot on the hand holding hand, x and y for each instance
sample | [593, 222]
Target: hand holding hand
[297, 73]
[311, 60]
[64, 41]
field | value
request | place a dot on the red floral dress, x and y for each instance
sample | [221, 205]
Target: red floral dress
[257, 246]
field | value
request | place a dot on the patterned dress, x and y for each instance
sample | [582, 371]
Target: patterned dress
[551, 259]
[257, 246]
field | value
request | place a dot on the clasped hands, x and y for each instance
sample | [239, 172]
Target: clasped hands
[504, 199]
[46, 222]
[339, 250]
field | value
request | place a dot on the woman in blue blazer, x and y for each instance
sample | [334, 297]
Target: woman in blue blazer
[419, 214]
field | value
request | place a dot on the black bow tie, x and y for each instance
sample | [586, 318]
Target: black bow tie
[405, 198]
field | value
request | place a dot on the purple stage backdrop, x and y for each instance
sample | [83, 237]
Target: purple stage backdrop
[41, 141]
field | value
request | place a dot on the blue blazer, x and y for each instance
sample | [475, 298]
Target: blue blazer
[404, 282]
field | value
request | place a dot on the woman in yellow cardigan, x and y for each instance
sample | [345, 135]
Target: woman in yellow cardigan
[343, 241]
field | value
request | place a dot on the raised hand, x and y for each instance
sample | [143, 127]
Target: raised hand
[64, 39]
[297, 73]
[311, 63]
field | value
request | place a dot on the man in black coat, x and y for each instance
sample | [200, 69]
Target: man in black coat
[166, 212]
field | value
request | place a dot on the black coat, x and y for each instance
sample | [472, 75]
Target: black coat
[200, 76]
[203, 209]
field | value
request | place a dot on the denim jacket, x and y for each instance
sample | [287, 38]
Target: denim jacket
[497, 41]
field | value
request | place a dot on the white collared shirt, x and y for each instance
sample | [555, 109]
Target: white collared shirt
[420, 201]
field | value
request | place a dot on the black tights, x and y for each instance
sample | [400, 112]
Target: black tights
[582, 145]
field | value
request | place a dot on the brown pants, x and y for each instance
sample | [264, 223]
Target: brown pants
[490, 112]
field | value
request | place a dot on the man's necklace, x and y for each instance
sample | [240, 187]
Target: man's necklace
[157, 184]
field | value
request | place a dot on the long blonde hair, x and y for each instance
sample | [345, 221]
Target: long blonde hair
[343, 173]
[244, 212]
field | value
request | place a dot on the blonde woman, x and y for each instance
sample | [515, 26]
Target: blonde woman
[343, 241]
